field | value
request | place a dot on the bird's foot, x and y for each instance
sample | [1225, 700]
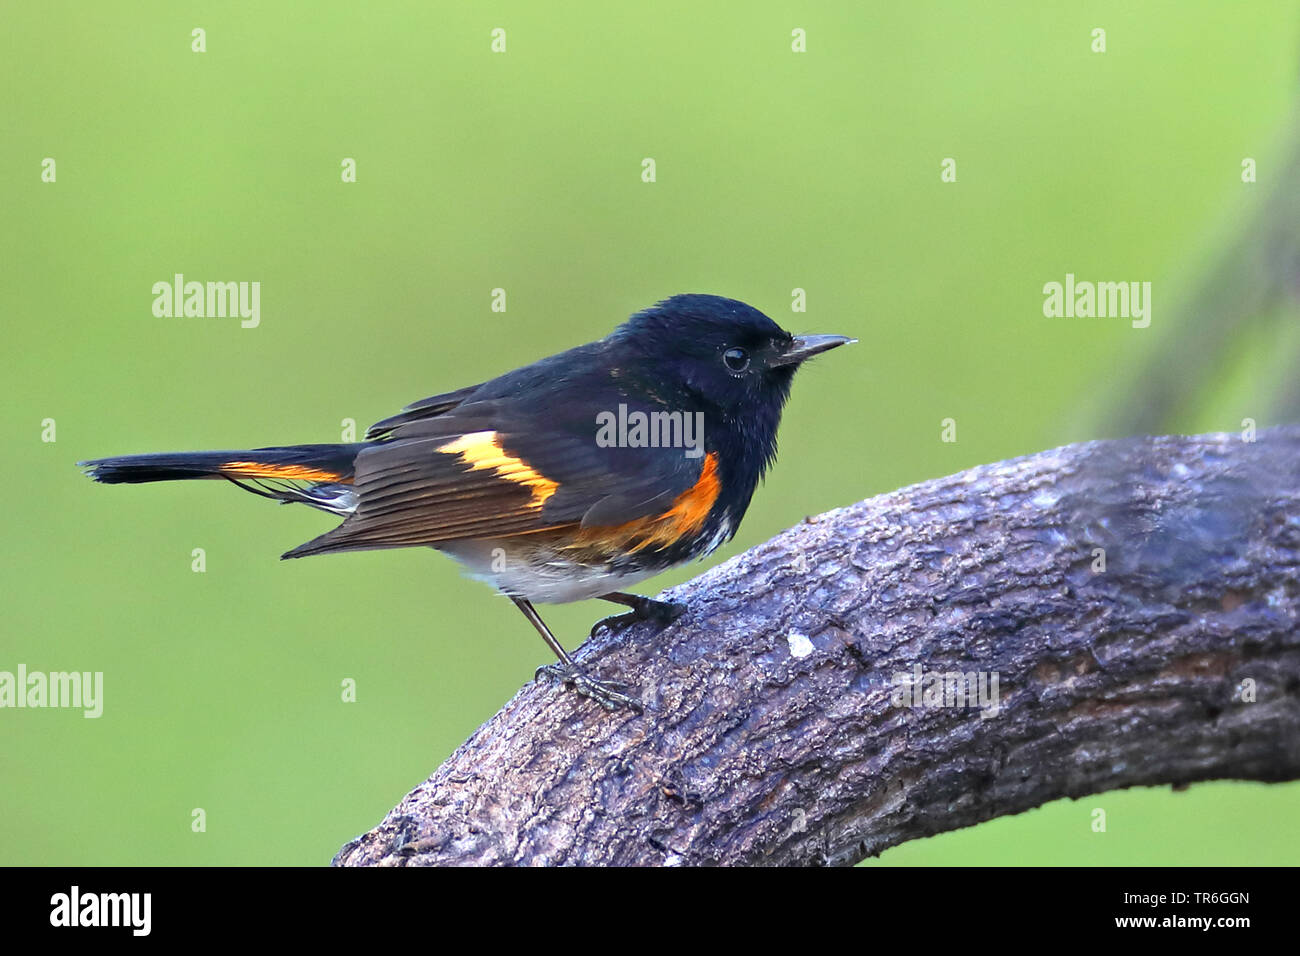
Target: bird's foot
[609, 694]
[646, 609]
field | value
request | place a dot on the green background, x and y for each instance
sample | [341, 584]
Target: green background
[522, 170]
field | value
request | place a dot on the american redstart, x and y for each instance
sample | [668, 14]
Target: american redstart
[575, 477]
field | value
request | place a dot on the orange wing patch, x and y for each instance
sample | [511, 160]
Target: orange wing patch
[257, 469]
[482, 450]
[687, 515]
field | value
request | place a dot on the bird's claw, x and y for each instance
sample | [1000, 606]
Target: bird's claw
[609, 694]
[663, 612]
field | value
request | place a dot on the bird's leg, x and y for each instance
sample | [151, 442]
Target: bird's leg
[643, 609]
[605, 693]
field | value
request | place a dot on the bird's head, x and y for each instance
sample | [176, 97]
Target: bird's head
[719, 352]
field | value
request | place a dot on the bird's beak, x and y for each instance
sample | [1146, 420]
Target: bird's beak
[804, 347]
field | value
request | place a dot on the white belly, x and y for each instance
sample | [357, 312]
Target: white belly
[539, 578]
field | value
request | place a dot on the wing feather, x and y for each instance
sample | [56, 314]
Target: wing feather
[515, 455]
[487, 483]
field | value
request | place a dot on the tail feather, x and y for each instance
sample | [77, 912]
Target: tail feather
[317, 463]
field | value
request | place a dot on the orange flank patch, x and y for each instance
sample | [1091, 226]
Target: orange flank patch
[257, 469]
[687, 515]
[482, 450]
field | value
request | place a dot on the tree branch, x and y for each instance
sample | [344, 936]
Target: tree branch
[774, 732]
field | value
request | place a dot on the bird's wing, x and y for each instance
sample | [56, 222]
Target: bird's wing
[488, 469]
[425, 408]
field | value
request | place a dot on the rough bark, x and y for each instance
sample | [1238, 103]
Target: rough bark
[773, 734]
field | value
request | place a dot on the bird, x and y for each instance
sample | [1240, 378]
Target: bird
[576, 477]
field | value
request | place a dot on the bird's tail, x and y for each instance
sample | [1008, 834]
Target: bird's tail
[318, 475]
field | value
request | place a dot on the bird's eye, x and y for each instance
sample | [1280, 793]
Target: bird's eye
[736, 359]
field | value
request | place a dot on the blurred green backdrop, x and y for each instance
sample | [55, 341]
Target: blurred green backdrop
[776, 170]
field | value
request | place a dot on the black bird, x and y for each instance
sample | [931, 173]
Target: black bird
[575, 477]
